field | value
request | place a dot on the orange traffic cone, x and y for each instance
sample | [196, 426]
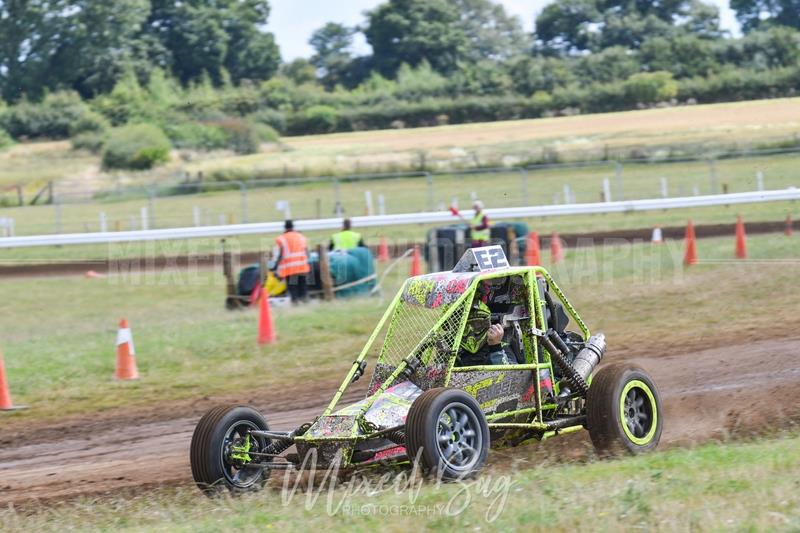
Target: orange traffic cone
[788, 230]
[690, 256]
[126, 360]
[416, 263]
[556, 250]
[658, 236]
[255, 294]
[383, 250]
[741, 244]
[533, 252]
[266, 330]
[5, 395]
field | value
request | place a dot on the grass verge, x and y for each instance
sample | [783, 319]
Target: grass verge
[718, 486]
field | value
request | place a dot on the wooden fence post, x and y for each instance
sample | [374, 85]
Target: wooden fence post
[231, 300]
[325, 273]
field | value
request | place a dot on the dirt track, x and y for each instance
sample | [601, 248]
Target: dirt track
[707, 394]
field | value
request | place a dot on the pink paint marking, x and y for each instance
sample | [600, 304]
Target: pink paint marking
[386, 454]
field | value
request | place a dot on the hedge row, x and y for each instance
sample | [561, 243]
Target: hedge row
[644, 89]
[63, 115]
[58, 116]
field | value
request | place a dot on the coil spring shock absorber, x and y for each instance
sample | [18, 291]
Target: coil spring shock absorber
[277, 447]
[397, 436]
[280, 445]
[587, 359]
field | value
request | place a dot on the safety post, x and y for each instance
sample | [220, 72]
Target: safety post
[231, 300]
[325, 273]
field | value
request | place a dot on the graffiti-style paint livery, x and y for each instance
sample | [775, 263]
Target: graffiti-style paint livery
[540, 390]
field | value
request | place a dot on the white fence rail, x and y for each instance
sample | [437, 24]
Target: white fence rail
[394, 220]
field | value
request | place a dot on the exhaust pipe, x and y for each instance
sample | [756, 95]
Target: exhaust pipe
[589, 357]
[578, 371]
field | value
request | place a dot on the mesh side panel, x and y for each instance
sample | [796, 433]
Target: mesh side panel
[412, 325]
[413, 329]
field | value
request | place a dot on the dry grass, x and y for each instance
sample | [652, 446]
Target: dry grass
[741, 122]
[34, 164]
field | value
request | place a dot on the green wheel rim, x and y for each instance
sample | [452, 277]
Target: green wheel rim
[638, 412]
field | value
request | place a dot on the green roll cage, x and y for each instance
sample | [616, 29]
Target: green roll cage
[534, 362]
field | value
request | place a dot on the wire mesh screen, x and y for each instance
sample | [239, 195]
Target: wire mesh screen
[409, 327]
[425, 323]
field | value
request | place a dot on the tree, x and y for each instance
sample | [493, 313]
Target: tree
[532, 74]
[79, 44]
[483, 78]
[572, 26]
[663, 9]
[684, 56]
[766, 48]
[252, 53]
[333, 57]
[568, 25]
[408, 31]
[26, 42]
[300, 71]
[98, 44]
[631, 30]
[702, 20]
[491, 32]
[213, 36]
[330, 41]
[612, 64]
[753, 14]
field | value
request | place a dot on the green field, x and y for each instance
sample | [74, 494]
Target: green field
[405, 195]
[58, 333]
[748, 486]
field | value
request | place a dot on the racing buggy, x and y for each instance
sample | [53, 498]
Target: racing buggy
[436, 398]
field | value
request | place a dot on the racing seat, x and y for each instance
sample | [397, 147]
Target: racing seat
[554, 313]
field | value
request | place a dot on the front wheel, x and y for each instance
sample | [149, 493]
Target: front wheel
[222, 450]
[623, 410]
[447, 431]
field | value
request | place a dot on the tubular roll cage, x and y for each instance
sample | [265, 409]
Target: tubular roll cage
[537, 424]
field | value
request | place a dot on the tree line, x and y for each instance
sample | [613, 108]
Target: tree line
[208, 75]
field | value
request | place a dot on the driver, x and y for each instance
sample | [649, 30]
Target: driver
[482, 342]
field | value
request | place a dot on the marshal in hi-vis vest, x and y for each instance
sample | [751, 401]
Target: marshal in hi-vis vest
[294, 259]
[346, 240]
[479, 235]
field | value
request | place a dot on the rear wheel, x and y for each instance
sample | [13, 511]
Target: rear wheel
[222, 449]
[623, 410]
[447, 431]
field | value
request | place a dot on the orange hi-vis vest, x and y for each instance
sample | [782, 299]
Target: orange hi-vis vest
[294, 259]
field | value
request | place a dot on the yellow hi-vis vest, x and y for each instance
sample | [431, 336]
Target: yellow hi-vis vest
[479, 235]
[346, 240]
